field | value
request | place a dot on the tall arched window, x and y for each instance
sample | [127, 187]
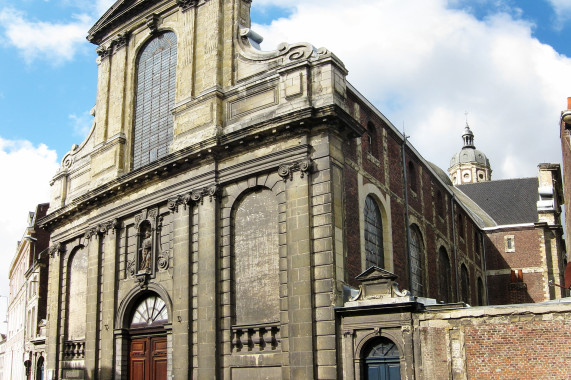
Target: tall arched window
[480, 292]
[444, 280]
[77, 295]
[156, 76]
[373, 140]
[412, 177]
[416, 255]
[465, 283]
[374, 254]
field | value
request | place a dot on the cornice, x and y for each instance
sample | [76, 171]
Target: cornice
[177, 162]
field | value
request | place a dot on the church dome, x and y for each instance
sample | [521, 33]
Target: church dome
[469, 153]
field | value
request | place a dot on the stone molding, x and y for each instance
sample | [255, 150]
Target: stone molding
[194, 197]
[117, 43]
[101, 229]
[56, 248]
[304, 167]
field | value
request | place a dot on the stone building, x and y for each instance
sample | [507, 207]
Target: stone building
[23, 353]
[226, 199]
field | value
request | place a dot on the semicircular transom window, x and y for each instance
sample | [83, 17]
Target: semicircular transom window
[151, 312]
[385, 348]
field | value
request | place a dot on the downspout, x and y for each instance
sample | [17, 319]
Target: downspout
[406, 216]
[483, 245]
[452, 202]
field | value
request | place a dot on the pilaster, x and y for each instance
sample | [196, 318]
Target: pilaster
[207, 289]
[93, 304]
[181, 319]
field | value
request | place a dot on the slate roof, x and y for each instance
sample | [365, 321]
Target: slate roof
[510, 201]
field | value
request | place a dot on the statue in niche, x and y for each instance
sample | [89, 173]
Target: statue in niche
[146, 251]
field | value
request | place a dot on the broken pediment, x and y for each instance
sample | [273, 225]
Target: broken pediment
[378, 286]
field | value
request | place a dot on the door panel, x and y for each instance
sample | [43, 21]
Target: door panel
[148, 358]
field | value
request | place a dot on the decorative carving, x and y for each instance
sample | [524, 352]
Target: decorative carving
[195, 196]
[186, 4]
[111, 225]
[131, 265]
[91, 232]
[142, 280]
[163, 261]
[121, 40]
[104, 51]
[286, 171]
[56, 248]
[146, 251]
[153, 23]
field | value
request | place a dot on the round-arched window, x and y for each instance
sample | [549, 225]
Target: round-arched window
[374, 254]
[150, 312]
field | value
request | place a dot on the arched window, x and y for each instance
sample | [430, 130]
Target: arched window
[374, 254]
[480, 292]
[156, 76]
[412, 176]
[417, 256]
[150, 312]
[444, 280]
[460, 225]
[382, 360]
[465, 283]
[373, 140]
[40, 368]
[77, 295]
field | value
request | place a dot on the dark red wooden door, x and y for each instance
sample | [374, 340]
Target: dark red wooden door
[148, 358]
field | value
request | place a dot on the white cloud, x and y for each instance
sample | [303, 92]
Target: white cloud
[425, 64]
[53, 42]
[26, 171]
[562, 9]
[81, 124]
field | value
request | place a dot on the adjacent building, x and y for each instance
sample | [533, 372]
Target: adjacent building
[27, 301]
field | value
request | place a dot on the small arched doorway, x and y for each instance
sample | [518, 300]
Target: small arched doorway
[382, 361]
[148, 343]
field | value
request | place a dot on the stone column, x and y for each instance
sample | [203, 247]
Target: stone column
[108, 301]
[181, 355]
[92, 307]
[54, 316]
[207, 315]
[300, 292]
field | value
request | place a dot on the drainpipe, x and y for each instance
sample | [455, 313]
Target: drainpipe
[485, 269]
[406, 217]
[452, 202]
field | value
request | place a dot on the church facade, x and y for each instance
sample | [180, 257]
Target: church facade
[225, 200]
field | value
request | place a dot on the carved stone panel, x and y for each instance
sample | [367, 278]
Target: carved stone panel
[77, 293]
[256, 259]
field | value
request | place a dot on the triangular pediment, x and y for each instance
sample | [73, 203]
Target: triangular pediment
[118, 13]
[375, 273]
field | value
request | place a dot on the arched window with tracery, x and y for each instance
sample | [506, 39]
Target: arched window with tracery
[444, 279]
[480, 292]
[382, 360]
[150, 312]
[417, 257]
[156, 76]
[374, 253]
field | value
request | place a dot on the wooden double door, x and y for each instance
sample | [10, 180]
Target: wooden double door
[148, 358]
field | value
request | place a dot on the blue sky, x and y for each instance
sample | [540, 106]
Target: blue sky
[423, 63]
